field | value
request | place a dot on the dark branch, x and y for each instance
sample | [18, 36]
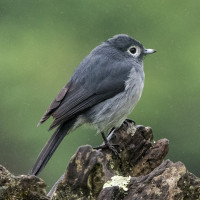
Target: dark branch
[100, 174]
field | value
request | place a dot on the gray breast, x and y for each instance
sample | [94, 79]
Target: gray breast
[112, 112]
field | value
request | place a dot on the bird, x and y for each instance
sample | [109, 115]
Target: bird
[103, 90]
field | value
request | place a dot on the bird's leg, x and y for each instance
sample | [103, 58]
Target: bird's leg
[111, 130]
[104, 138]
[108, 145]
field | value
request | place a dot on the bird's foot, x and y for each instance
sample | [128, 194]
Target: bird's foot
[127, 121]
[130, 126]
[110, 146]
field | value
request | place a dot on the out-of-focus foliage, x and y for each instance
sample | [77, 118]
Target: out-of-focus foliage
[41, 43]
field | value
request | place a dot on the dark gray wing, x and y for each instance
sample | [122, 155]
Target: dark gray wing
[96, 79]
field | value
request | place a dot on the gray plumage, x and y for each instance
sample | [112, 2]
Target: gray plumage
[103, 90]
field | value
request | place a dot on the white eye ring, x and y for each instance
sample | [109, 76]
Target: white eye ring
[134, 51]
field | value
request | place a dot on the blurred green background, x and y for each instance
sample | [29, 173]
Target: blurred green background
[42, 42]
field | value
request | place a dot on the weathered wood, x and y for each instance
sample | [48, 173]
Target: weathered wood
[140, 173]
[21, 187]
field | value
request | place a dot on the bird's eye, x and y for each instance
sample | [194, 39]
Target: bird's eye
[133, 50]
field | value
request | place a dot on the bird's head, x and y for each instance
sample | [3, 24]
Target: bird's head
[129, 46]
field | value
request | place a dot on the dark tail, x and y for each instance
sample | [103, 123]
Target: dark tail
[51, 146]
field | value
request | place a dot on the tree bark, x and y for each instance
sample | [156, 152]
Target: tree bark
[138, 172]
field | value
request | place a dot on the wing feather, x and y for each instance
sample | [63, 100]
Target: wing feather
[55, 103]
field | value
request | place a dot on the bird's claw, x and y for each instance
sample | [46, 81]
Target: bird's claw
[110, 146]
[127, 121]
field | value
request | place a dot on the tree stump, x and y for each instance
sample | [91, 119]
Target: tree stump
[139, 172]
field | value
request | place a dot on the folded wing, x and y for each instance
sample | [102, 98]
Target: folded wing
[94, 81]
